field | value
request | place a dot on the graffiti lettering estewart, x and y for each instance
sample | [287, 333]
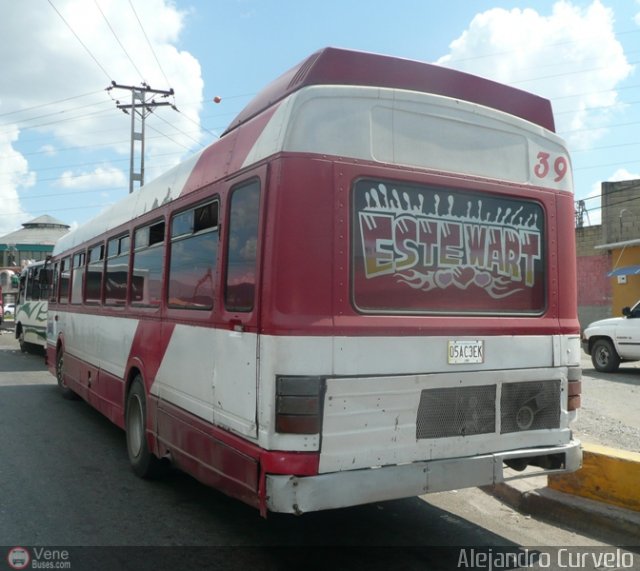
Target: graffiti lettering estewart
[428, 247]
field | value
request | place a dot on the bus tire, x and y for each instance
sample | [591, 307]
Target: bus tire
[143, 462]
[23, 345]
[604, 356]
[66, 392]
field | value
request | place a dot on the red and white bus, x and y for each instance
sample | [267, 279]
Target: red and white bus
[364, 290]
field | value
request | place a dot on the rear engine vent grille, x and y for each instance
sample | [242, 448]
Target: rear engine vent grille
[530, 406]
[459, 411]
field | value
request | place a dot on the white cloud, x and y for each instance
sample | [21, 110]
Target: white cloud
[14, 175]
[570, 56]
[100, 177]
[623, 174]
[43, 62]
[48, 150]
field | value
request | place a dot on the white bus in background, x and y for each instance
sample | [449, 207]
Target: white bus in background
[31, 307]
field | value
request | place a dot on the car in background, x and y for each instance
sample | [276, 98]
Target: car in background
[613, 341]
[9, 310]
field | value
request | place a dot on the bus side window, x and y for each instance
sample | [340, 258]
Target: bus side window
[65, 274]
[146, 281]
[117, 270]
[43, 276]
[22, 288]
[194, 257]
[95, 269]
[243, 247]
[32, 290]
[78, 274]
[53, 280]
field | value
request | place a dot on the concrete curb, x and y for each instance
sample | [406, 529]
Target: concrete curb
[602, 499]
[607, 475]
[612, 524]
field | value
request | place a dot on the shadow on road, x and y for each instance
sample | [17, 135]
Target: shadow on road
[14, 361]
[626, 375]
[71, 463]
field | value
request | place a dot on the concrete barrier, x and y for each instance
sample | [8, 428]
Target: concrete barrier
[607, 475]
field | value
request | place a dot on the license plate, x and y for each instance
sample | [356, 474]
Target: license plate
[463, 352]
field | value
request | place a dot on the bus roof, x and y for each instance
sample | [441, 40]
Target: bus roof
[258, 130]
[333, 66]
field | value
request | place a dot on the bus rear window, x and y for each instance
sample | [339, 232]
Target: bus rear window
[243, 248]
[419, 249]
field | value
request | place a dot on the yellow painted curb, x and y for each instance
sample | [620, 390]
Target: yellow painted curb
[607, 475]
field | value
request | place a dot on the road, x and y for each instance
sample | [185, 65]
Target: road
[610, 403]
[65, 481]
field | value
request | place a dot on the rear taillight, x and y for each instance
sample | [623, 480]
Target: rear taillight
[574, 388]
[299, 405]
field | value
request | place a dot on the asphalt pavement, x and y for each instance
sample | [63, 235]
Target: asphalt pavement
[573, 507]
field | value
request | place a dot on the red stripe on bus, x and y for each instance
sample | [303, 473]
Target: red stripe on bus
[149, 346]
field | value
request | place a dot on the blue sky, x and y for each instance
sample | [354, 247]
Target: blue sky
[64, 146]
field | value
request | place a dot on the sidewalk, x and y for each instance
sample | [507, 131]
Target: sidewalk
[611, 476]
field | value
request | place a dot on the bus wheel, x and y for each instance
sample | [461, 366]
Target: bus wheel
[144, 463]
[23, 345]
[604, 356]
[67, 393]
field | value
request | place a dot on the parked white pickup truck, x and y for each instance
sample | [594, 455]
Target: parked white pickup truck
[612, 341]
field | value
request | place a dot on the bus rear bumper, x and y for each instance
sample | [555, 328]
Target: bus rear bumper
[297, 495]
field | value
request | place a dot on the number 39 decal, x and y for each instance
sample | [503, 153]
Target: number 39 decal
[543, 167]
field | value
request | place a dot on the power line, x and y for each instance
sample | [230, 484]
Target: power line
[46, 124]
[616, 89]
[50, 103]
[626, 201]
[81, 42]
[80, 117]
[118, 40]
[216, 135]
[590, 150]
[551, 45]
[596, 107]
[179, 131]
[149, 43]
[20, 124]
[614, 191]
[79, 147]
[564, 74]
[170, 138]
[604, 127]
[9, 214]
[616, 164]
[87, 164]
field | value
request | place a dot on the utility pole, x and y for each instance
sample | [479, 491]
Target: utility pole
[142, 104]
[580, 212]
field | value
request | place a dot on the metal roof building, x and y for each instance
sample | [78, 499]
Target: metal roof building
[33, 242]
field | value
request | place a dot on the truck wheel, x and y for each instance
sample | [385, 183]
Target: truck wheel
[144, 463]
[604, 356]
